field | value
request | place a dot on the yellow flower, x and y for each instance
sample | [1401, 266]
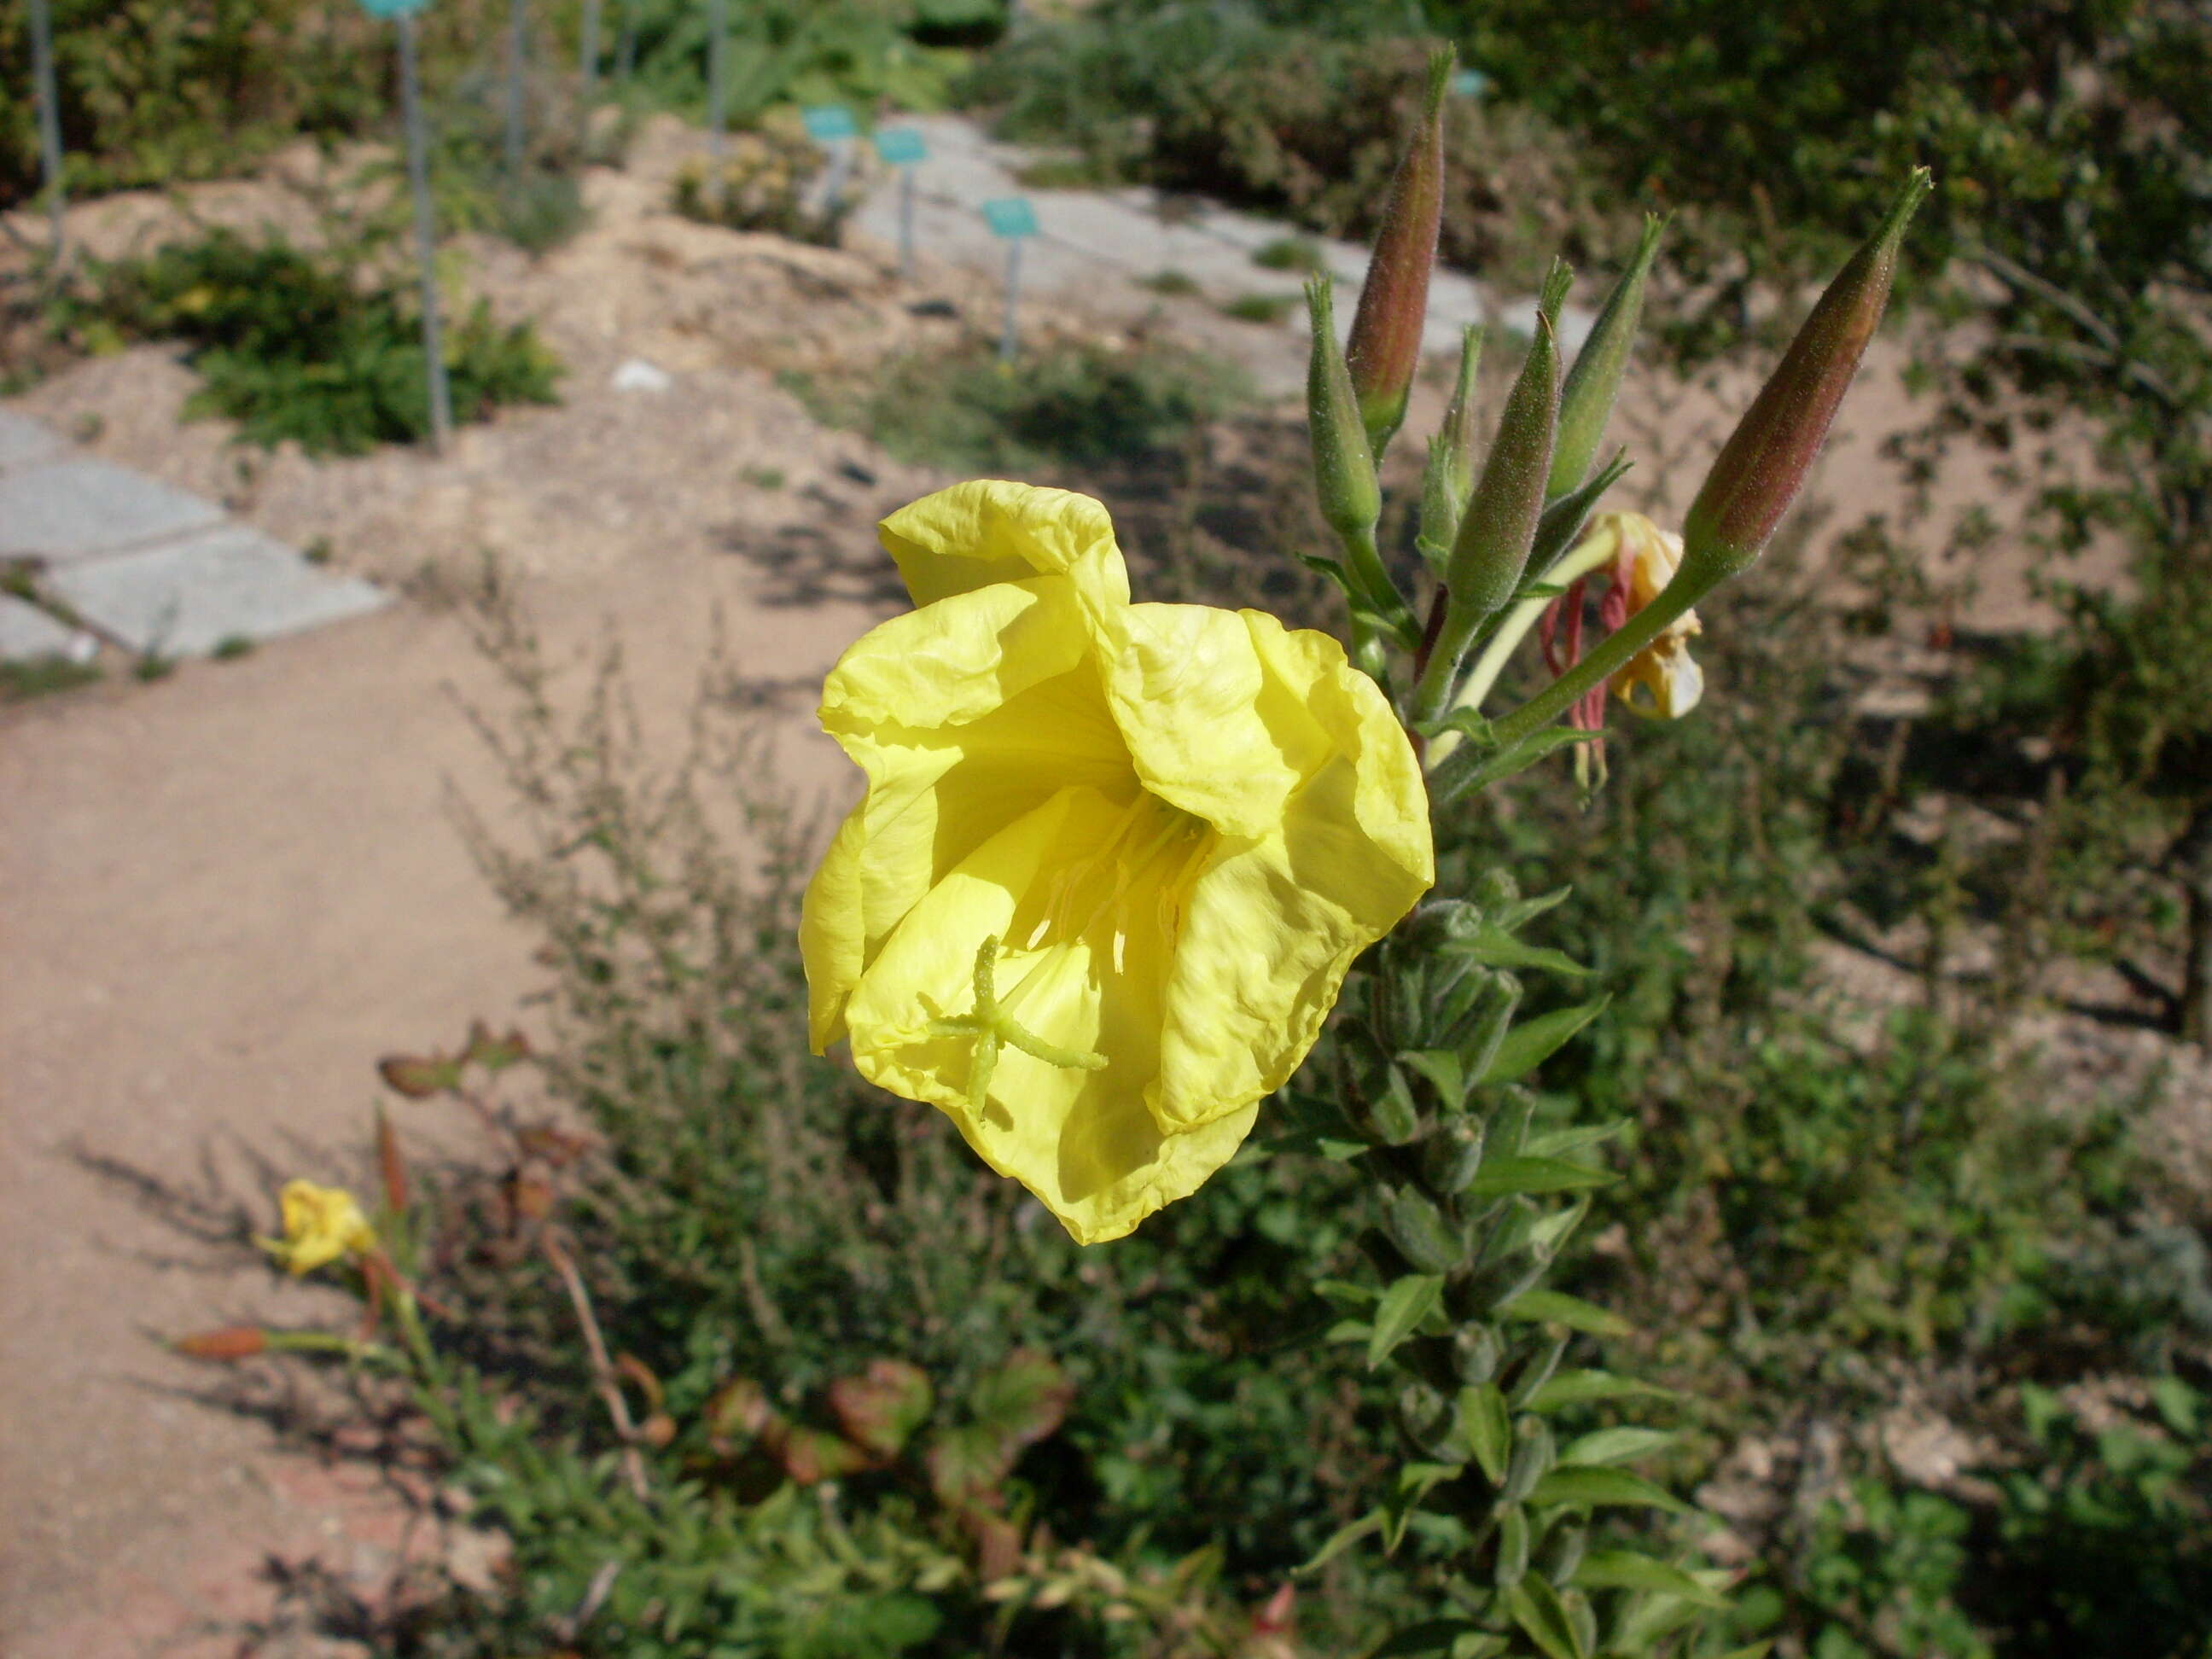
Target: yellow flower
[1114, 858]
[1662, 680]
[321, 1224]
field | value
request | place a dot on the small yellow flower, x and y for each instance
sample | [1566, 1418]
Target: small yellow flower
[1114, 860]
[321, 1224]
[1662, 680]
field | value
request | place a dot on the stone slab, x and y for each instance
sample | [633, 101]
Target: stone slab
[67, 510]
[25, 442]
[27, 633]
[184, 598]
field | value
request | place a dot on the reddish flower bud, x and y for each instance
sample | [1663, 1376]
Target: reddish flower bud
[231, 1342]
[1765, 462]
[1385, 347]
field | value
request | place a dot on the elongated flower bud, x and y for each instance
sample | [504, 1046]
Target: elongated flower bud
[1765, 462]
[1450, 479]
[1344, 465]
[231, 1342]
[1499, 526]
[1586, 401]
[1386, 330]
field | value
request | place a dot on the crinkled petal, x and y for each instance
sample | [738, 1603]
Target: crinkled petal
[1083, 1142]
[964, 716]
[1184, 683]
[991, 531]
[1271, 925]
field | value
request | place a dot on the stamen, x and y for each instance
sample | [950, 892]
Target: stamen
[991, 1026]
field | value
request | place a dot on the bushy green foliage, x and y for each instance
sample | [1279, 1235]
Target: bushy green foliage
[291, 344]
[1065, 403]
[1301, 115]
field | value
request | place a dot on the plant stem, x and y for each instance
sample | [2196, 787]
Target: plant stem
[603, 1368]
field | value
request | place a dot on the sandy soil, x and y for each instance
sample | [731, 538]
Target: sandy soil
[223, 894]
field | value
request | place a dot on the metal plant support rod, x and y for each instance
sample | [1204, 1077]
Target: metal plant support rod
[518, 59]
[49, 120]
[426, 234]
[588, 67]
[906, 224]
[718, 54]
[1010, 339]
[626, 44]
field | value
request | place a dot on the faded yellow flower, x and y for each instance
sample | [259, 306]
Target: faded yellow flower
[321, 1224]
[1114, 858]
[1662, 680]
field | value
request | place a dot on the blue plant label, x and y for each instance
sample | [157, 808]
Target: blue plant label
[1010, 216]
[1470, 83]
[828, 123]
[900, 146]
[392, 8]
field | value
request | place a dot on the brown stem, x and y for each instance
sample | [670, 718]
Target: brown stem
[2192, 853]
[603, 1368]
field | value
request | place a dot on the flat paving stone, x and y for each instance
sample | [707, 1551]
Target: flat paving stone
[67, 510]
[184, 598]
[27, 633]
[26, 443]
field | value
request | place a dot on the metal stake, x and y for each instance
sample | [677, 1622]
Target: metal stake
[589, 67]
[906, 224]
[718, 52]
[517, 54]
[1008, 340]
[50, 118]
[626, 46]
[426, 234]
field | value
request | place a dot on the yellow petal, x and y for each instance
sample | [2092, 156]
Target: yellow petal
[321, 1224]
[965, 716]
[832, 935]
[990, 531]
[1661, 680]
[1083, 967]
[1184, 683]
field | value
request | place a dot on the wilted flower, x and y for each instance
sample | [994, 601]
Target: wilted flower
[321, 1224]
[1669, 682]
[1114, 858]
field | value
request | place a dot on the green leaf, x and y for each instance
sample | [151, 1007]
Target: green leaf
[1619, 1445]
[966, 1464]
[1342, 1540]
[1529, 751]
[1532, 1042]
[1487, 1427]
[881, 1408]
[1501, 1176]
[1535, 1607]
[1628, 1570]
[1558, 1308]
[1347, 1294]
[1605, 1488]
[1493, 947]
[1025, 1399]
[1415, 1480]
[1557, 1143]
[1442, 1068]
[1430, 1636]
[1582, 1387]
[1403, 1307]
[1511, 918]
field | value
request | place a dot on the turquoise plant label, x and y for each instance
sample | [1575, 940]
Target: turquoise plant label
[828, 123]
[392, 8]
[1010, 216]
[900, 146]
[1470, 83]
